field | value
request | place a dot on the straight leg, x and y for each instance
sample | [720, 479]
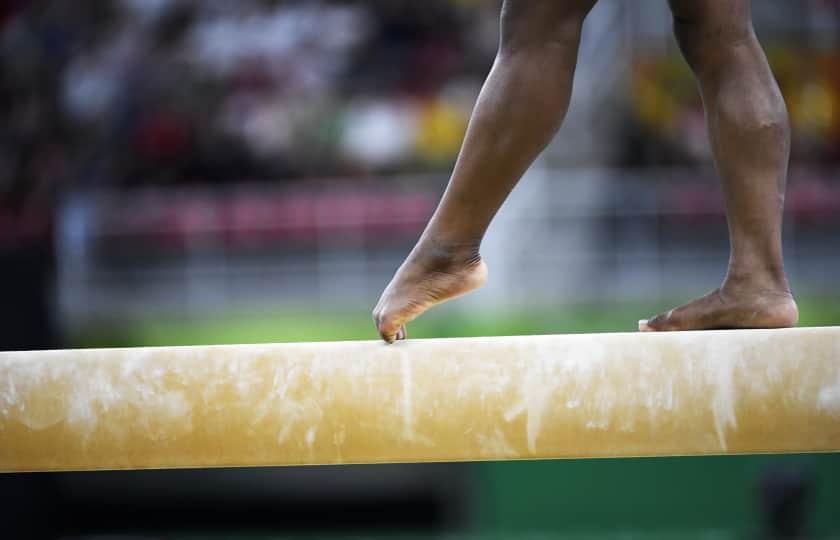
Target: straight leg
[748, 130]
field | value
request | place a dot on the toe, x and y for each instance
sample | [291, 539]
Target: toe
[386, 330]
[390, 329]
[660, 323]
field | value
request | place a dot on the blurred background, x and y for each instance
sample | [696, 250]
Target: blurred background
[211, 171]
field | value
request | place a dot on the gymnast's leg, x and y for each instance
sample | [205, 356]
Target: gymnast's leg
[748, 130]
[520, 107]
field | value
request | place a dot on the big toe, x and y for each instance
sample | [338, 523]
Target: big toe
[663, 322]
[390, 327]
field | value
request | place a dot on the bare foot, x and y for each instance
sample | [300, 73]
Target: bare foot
[425, 279]
[731, 306]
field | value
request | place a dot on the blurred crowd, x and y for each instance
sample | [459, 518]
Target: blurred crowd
[130, 92]
[157, 92]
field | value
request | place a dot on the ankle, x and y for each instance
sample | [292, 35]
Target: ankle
[439, 254]
[756, 280]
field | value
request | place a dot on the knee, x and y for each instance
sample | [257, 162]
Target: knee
[734, 76]
[703, 42]
[529, 25]
[762, 114]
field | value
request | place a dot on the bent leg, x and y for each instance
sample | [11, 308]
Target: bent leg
[520, 107]
[748, 130]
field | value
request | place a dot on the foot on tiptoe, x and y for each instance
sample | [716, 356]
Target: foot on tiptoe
[428, 277]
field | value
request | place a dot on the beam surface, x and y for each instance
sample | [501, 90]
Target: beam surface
[529, 397]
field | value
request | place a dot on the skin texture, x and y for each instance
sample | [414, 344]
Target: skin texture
[521, 106]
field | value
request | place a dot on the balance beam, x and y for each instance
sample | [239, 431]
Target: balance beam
[530, 397]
